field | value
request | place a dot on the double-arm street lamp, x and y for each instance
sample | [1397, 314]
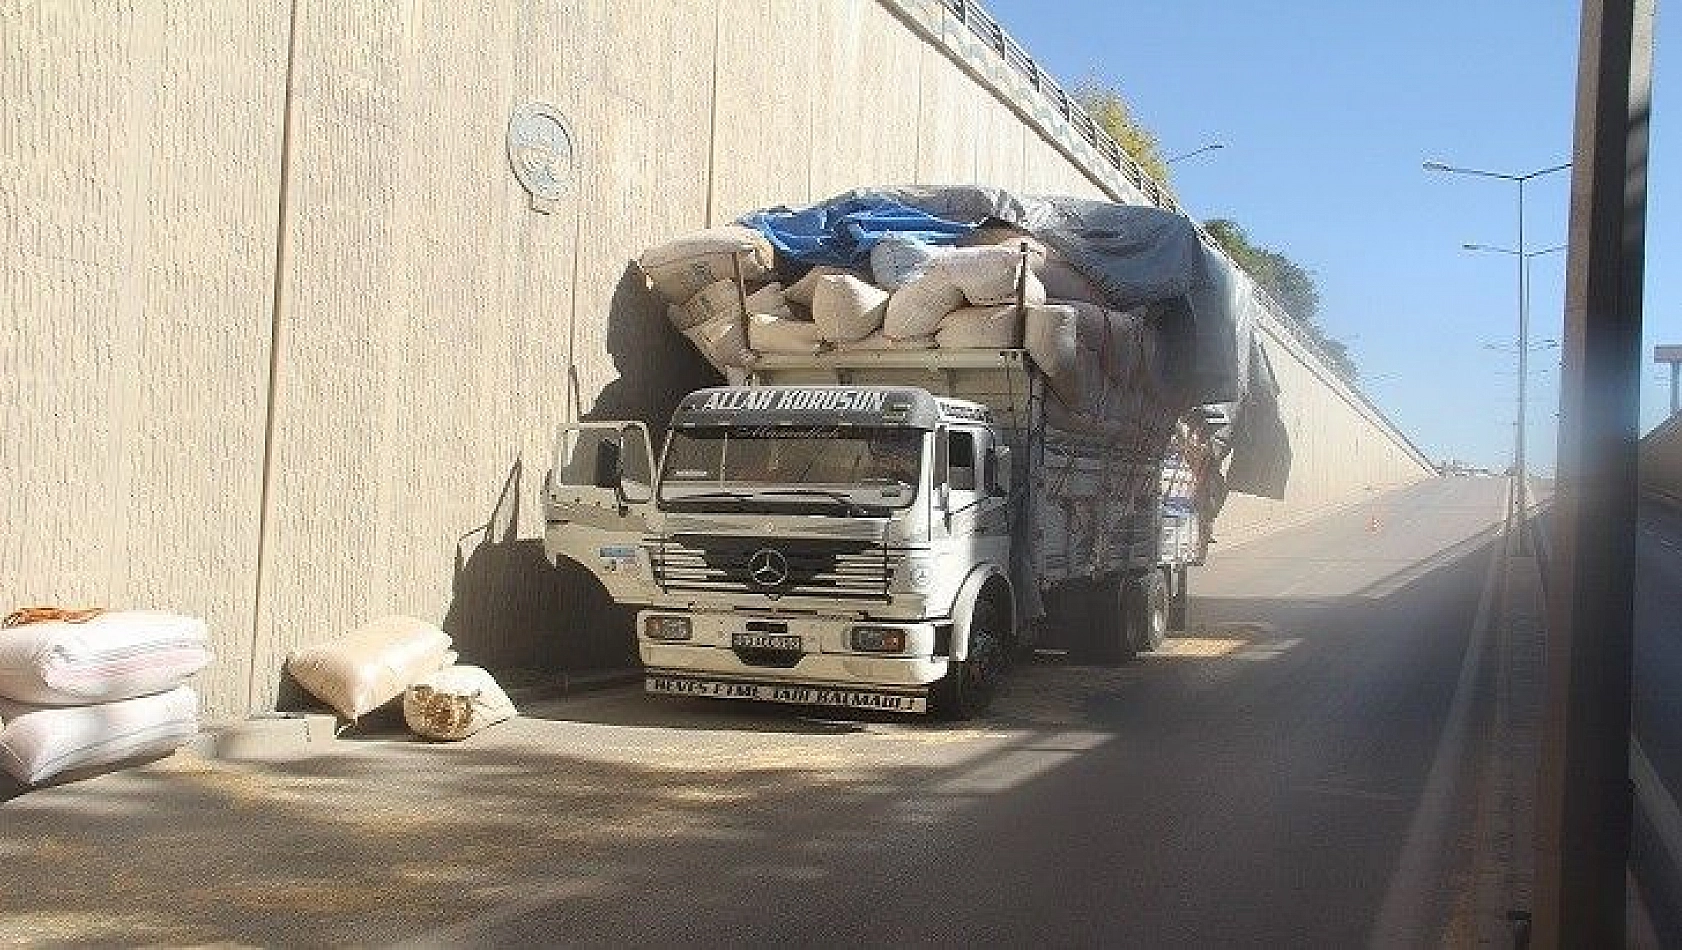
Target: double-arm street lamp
[1520, 504]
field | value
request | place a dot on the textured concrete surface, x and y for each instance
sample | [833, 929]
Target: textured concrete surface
[1661, 460]
[1253, 783]
[139, 167]
[285, 341]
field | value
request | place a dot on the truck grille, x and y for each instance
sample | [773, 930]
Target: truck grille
[811, 567]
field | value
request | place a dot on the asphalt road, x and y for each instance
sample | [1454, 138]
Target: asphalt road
[1260, 781]
[1255, 783]
[1658, 641]
[1657, 715]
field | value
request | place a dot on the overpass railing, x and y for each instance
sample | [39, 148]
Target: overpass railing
[974, 16]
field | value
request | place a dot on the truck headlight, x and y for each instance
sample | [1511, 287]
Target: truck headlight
[666, 628]
[878, 639]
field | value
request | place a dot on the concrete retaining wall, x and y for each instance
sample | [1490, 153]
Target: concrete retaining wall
[1661, 460]
[286, 340]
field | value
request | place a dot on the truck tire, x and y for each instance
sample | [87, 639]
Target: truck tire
[969, 685]
[1110, 635]
[1179, 597]
[1146, 610]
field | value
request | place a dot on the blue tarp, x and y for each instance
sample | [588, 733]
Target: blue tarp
[841, 233]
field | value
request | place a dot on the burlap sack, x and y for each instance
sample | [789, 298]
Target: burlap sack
[366, 669]
[720, 299]
[997, 327]
[679, 268]
[1008, 237]
[803, 290]
[917, 308]
[895, 262]
[456, 702]
[846, 308]
[1063, 282]
[1051, 336]
[723, 342]
[770, 333]
[988, 275]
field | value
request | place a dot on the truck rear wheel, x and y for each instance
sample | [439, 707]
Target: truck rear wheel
[1179, 598]
[1108, 630]
[970, 684]
[1146, 607]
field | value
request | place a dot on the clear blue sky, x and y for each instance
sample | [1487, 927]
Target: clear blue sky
[1327, 109]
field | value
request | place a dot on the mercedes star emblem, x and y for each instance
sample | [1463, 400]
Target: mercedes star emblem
[768, 567]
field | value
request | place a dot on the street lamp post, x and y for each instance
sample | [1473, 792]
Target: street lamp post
[1519, 500]
[1520, 504]
[1196, 151]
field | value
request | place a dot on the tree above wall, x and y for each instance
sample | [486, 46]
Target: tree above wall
[1289, 282]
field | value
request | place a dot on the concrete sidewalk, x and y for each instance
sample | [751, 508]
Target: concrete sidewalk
[1504, 846]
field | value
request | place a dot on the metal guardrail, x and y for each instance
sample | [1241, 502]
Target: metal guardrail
[985, 26]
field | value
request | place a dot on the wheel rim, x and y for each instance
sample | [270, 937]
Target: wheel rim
[1157, 621]
[980, 672]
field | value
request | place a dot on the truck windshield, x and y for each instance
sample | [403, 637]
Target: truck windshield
[747, 465]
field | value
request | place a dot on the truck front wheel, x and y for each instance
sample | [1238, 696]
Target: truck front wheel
[969, 685]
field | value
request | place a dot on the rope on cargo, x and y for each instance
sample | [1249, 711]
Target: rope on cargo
[28, 615]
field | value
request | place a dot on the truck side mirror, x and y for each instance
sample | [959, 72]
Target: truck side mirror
[1000, 481]
[631, 484]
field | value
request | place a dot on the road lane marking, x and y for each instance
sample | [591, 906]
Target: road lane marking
[1403, 917]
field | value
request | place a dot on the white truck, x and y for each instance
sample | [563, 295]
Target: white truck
[876, 530]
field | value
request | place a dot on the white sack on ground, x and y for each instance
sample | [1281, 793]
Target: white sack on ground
[881, 341]
[895, 262]
[456, 702]
[803, 290]
[118, 654]
[367, 669]
[997, 327]
[40, 742]
[769, 333]
[679, 268]
[846, 308]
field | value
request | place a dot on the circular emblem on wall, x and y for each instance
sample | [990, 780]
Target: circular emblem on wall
[540, 150]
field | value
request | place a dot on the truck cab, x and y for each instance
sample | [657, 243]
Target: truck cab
[838, 545]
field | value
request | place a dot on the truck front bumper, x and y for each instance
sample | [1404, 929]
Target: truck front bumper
[888, 699]
[715, 661]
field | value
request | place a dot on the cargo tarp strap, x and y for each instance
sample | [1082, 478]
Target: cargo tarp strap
[28, 615]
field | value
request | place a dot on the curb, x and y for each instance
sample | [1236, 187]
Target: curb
[282, 733]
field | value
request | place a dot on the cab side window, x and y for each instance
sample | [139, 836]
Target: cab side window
[962, 470]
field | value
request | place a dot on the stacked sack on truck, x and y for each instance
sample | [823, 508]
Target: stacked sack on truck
[92, 688]
[909, 296]
[400, 656]
[1106, 368]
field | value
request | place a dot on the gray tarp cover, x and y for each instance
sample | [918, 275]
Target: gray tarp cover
[1138, 255]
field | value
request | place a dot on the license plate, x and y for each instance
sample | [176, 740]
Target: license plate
[766, 641]
[797, 695]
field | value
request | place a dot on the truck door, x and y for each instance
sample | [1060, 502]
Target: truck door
[596, 502]
[973, 491]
